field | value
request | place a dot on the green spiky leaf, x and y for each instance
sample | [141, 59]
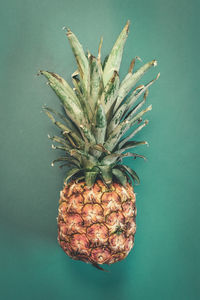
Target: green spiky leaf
[67, 159]
[90, 177]
[71, 106]
[71, 173]
[100, 125]
[120, 176]
[96, 82]
[126, 139]
[81, 59]
[114, 157]
[97, 114]
[114, 60]
[129, 145]
[131, 81]
[106, 174]
[130, 172]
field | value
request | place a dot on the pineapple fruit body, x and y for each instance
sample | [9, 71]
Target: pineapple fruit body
[97, 224]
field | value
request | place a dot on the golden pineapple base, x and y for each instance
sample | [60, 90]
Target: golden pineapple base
[97, 224]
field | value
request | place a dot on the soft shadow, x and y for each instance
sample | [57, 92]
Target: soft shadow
[107, 284]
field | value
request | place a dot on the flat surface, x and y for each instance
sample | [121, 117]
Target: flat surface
[165, 261]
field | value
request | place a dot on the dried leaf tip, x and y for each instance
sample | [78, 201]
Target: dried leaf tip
[127, 26]
[154, 63]
[146, 143]
[138, 58]
[69, 32]
[99, 49]
[132, 64]
[157, 76]
[146, 94]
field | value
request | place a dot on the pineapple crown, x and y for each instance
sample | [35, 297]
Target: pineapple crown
[98, 111]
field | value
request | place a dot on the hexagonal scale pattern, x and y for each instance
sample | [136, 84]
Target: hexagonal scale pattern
[97, 224]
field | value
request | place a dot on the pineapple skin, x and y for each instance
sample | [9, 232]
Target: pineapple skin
[97, 225]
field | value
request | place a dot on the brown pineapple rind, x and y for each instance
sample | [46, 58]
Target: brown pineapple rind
[97, 224]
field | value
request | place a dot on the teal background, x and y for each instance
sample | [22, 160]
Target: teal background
[165, 261]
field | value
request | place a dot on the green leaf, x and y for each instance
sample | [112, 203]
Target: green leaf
[88, 134]
[71, 173]
[68, 122]
[106, 174]
[90, 177]
[104, 62]
[96, 82]
[68, 164]
[88, 160]
[115, 121]
[64, 148]
[120, 176]
[115, 136]
[110, 92]
[114, 59]
[123, 109]
[134, 96]
[120, 114]
[121, 129]
[97, 150]
[138, 116]
[123, 142]
[72, 107]
[82, 96]
[68, 159]
[100, 148]
[135, 109]
[59, 140]
[110, 159]
[99, 51]
[62, 84]
[114, 157]
[129, 144]
[81, 59]
[58, 124]
[65, 130]
[100, 126]
[131, 80]
[57, 114]
[130, 172]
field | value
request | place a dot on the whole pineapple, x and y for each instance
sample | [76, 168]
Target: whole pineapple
[96, 220]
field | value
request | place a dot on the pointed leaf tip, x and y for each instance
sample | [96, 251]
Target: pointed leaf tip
[127, 26]
[155, 62]
[68, 30]
[132, 64]
[158, 76]
[39, 73]
[115, 56]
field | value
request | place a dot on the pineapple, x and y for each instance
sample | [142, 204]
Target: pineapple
[97, 212]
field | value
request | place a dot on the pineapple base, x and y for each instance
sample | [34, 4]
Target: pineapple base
[97, 224]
